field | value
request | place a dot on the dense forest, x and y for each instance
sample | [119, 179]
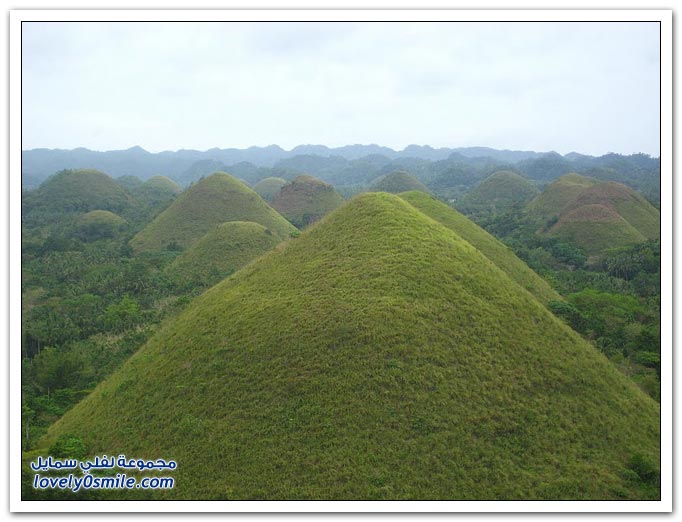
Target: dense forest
[119, 248]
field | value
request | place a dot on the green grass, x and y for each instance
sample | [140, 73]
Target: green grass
[222, 251]
[558, 194]
[268, 188]
[489, 246]
[399, 181]
[213, 200]
[595, 229]
[500, 191]
[305, 200]
[377, 356]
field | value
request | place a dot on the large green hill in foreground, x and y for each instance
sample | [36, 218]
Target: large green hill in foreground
[213, 200]
[396, 363]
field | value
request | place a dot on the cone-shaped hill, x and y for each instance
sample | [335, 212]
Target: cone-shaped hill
[500, 191]
[395, 363]
[305, 200]
[559, 194]
[630, 205]
[489, 246]
[268, 188]
[99, 224]
[75, 191]
[596, 228]
[163, 185]
[399, 181]
[223, 250]
[215, 199]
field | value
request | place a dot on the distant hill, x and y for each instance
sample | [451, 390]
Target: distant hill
[222, 251]
[633, 207]
[74, 191]
[596, 228]
[498, 192]
[493, 249]
[346, 166]
[268, 188]
[213, 200]
[305, 200]
[378, 356]
[128, 182]
[397, 182]
[557, 195]
[99, 224]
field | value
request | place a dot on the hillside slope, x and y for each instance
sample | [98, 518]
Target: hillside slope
[399, 181]
[396, 363]
[493, 249]
[558, 194]
[629, 204]
[213, 200]
[221, 251]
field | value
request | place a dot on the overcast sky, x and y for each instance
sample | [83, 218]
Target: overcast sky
[586, 87]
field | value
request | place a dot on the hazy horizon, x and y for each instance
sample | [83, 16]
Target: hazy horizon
[290, 149]
[586, 87]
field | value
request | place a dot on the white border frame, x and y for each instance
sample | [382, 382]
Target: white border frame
[664, 16]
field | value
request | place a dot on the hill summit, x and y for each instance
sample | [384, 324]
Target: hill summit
[75, 191]
[305, 200]
[268, 188]
[500, 191]
[221, 251]
[398, 181]
[213, 200]
[396, 363]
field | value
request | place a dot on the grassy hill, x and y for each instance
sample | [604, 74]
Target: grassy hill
[493, 249]
[596, 228]
[499, 191]
[632, 206]
[213, 200]
[399, 181]
[74, 191]
[395, 363]
[162, 184]
[222, 251]
[305, 200]
[99, 224]
[268, 188]
[559, 194]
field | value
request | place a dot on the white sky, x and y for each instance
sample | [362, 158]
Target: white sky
[586, 87]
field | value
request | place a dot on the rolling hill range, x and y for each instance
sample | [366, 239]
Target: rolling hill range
[223, 250]
[213, 200]
[305, 200]
[268, 188]
[397, 182]
[489, 246]
[396, 363]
